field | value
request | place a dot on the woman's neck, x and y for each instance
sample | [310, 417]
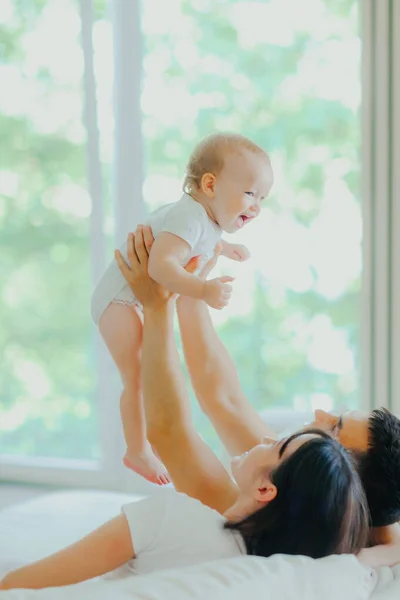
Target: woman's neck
[242, 508]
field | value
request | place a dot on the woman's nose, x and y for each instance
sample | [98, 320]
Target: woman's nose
[268, 440]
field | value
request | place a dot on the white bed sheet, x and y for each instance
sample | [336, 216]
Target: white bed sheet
[34, 529]
[43, 525]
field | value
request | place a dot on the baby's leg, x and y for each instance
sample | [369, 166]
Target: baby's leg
[121, 328]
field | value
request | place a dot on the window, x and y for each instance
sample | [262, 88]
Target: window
[283, 72]
[288, 75]
[47, 377]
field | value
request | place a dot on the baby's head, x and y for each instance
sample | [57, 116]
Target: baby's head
[232, 176]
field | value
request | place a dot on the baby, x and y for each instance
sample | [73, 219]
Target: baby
[227, 178]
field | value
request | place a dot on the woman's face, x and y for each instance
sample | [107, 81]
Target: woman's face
[248, 468]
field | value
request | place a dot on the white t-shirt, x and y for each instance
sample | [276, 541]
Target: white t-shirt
[186, 219]
[171, 529]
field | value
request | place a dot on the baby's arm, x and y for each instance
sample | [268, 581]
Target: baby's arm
[385, 555]
[235, 251]
[103, 550]
[168, 256]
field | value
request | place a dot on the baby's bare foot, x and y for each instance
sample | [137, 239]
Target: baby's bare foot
[146, 464]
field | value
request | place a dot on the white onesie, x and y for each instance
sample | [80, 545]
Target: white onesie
[186, 219]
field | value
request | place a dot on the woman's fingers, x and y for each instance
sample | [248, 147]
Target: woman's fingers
[123, 267]
[133, 259]
[137, 247]
[140, 246]
[148, 238]
[208, 267]
[193, 264]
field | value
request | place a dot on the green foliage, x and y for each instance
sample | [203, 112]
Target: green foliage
[47, 376]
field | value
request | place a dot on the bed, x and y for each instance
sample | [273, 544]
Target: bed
[38, 527]
[41, 526]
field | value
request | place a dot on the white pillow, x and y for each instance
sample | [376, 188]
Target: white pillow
[388, 584]
[247, 577]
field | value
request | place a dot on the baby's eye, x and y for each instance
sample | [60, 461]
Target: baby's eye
[250, 194]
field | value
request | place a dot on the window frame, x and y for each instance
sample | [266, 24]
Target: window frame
[381, 213]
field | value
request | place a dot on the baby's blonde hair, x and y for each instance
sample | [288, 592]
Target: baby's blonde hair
[209, 156]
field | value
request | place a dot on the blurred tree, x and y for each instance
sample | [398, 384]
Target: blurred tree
[226, 78]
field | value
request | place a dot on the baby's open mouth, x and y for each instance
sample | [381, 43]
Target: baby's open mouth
[244, 219]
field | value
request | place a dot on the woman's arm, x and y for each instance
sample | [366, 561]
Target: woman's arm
[215, 380]
[192, 465]
[103, 550]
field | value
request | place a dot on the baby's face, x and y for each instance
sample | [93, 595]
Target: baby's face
[244, 182]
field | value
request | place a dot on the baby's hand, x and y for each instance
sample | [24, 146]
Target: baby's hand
[236, 252]
[217, 292]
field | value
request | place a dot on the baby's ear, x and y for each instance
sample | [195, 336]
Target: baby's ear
[207, 184]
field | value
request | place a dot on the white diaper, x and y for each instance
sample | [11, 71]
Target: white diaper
[101, 300]
[127, 297]
[112, 287]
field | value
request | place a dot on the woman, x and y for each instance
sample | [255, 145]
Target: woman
[299, 495]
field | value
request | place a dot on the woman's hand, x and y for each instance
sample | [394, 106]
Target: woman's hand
[146, 290]
[208, 267]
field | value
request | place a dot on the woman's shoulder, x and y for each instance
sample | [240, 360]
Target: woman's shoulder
[170, 513]
[179, 501]
[204, 523]
[168, 500]
[173, 529]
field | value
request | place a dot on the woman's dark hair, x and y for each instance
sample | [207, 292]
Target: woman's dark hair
[320, 507]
